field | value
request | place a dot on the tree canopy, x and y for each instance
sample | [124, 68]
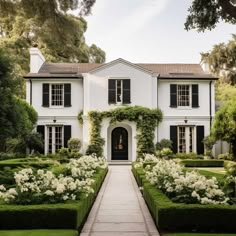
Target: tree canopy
[224, 126]
[50, 25]
[205, 14]
[17, 117]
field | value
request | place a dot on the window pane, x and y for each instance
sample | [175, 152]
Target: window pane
[182, 140]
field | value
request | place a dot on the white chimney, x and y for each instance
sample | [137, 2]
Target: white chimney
[205, 66]
[36, 60]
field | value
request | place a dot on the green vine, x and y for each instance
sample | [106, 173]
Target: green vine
[146, 119]
[80, 117]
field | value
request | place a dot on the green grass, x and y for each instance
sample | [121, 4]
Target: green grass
[38, 232]
[198, 234]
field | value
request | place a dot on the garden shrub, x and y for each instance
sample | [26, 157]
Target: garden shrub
[203, 163]
[74, 144]
[191, 155]
[50, 216]
[164, 143]
[225, 156]
[170, 216]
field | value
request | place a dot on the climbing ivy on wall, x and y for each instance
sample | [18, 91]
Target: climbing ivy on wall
[146, 119]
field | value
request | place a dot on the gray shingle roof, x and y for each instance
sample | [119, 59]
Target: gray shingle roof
[64, 70]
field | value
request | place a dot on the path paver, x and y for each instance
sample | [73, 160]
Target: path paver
[119, 209]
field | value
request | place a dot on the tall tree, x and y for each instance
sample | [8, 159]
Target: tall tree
[224, 126]
[222, 60]
[49, 25]
[205, 14]
[17, 117]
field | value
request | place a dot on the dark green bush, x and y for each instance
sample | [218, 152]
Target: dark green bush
[191, 155]
[171, 216]
[164, 143]
[70, 215]
[203, 163]
[7, 156]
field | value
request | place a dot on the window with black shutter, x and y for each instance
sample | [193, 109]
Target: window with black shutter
[67, 95]
[111, 91]
[67, 134]
[126, 91]
[200, 137]
[195, 95]
[45, 95]
[174, 138]
[41, 131]
[173, 95]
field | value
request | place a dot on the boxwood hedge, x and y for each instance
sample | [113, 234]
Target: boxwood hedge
[48, 216]
[170, 216]
[203, 163]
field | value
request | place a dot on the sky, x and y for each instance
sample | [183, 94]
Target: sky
[150, 31]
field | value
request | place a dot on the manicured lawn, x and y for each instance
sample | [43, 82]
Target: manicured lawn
[218, 170]
[198, 234]
[39, 232]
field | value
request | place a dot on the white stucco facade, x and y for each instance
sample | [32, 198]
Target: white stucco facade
[89, 91]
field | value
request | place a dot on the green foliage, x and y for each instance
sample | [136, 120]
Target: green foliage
[222, 60]
[225, 91]
[191, 155]
[209, 142]
[39, 232]
[170, 216]
[17, 117]
[203, 163]
[80, 117]
[164, 143]
[49, 25]
[146, 119]
[224, 126]
[204, 15]
[166, 152]
[74, 144]
[225, 156]
[51, 216]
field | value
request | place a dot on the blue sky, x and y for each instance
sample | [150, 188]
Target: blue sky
[150, 31]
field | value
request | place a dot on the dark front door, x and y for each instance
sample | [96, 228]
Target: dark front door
[119, 144]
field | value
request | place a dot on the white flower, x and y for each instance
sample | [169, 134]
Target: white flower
[60, 188]
[49, 193]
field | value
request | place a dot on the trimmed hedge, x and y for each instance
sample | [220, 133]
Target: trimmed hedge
[50, 216]
[203, 163]
[183, 217]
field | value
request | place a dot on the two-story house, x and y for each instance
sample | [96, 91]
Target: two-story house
[59, 91]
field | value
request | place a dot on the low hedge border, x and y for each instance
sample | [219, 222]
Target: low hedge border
[203, 163]
[170, 216]
[71, 215]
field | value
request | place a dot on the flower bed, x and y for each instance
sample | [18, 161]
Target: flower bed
[70, 215]
[171, 216]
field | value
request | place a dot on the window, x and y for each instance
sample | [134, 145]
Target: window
[183, 95]
[55, 138]
[57, 94]
[118, 91]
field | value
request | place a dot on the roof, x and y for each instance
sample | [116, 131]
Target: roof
[164, 71]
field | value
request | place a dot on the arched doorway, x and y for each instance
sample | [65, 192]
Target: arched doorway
[119, 144]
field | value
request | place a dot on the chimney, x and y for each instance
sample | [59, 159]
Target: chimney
[36, 60]
[205, 66]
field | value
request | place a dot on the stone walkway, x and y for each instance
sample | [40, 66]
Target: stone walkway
[119, 208]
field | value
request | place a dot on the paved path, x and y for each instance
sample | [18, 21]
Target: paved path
[119, 208]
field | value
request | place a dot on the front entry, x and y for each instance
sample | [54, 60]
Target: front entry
[119, 144]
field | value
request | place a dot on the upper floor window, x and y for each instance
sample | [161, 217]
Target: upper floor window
[57, 91]
[119, 91]
[184, 95]
[56, 95]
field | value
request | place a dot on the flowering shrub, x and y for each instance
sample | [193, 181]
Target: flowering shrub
[187, 187]
[147, 158]
[34, 187]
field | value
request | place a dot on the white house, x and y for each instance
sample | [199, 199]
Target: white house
[59, 91]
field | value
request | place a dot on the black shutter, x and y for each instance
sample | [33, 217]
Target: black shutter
[45, 95]
[41, 130]
[67, 95]
[195, 95]
[126, 91]
[111, 91]
[173, 95]
[67, 134]
[174, 138]
[200, 137]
